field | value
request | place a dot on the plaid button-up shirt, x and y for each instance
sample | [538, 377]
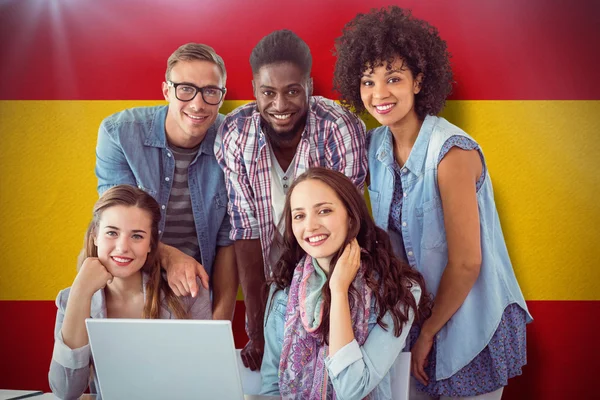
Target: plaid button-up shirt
[333, 138]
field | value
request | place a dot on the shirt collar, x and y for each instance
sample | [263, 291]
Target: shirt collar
[416, 159]
[207, 145]
[385, 152]
[156, 136]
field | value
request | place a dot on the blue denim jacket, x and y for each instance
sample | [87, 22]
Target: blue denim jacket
[132, 149]
[424, 239]
[355, 371]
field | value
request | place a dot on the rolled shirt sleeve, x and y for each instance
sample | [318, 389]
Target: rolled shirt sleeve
[223, 238]
[274, 324]
[70, 368]
[70, 358]
[356, 370]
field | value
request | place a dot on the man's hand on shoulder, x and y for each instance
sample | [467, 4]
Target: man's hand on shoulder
[182, 271]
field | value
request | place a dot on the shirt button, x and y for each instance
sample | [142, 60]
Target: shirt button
[403, 224]
[168, 154]
[167, 179]
[163, 206]
[405, 194]
[285, 178]
[410, 253]
[159, 232]
[285, 186]
[404, 170]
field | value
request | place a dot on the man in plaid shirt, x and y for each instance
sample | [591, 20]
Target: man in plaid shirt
[263, 146]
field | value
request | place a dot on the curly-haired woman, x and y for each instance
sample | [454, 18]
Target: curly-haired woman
[430, 189]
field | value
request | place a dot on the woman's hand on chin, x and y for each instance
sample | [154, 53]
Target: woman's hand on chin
[92, 276]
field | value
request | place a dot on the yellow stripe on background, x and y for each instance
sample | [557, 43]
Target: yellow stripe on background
[542, 156]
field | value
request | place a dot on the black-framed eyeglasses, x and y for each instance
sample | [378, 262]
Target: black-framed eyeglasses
[187, 92]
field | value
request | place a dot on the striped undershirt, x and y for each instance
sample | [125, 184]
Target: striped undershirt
[180, 231]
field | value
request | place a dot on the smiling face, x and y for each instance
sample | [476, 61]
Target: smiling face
[282, 91]
[188, 121]
[388, 94]
[319, 220]
[123, 239]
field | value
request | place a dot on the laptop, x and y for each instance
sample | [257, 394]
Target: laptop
[165, 359]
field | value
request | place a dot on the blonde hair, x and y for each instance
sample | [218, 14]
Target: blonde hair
[131, 196]
[196, 51]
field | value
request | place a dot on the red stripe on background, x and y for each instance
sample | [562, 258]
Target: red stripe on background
[27, 339]
[562, 348]
[113, 49]
[26, 342]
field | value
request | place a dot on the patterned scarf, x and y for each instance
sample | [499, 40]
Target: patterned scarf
[302, 371]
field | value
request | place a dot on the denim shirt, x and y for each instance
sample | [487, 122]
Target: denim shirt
[355, 371]
[132, 149]
[424, 239]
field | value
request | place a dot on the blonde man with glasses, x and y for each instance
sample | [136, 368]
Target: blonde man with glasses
[168, 152]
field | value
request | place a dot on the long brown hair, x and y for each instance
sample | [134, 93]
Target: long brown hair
[130, 196]
[389, 278]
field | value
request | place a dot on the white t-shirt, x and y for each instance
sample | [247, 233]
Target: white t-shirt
[280, 184]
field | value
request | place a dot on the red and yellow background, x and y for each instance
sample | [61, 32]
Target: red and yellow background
[527, 88]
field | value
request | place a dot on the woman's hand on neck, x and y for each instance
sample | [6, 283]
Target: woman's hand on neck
[340, 320]
[346, 268]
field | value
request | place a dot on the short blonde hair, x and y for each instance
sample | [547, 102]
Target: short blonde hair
[196, 51]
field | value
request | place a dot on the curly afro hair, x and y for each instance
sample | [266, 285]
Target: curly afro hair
[381, 36]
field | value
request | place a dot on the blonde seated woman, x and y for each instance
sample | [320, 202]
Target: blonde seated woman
[120, 277]
[341, 303]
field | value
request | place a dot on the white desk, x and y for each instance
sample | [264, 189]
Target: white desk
[50, 396]
[18, 394]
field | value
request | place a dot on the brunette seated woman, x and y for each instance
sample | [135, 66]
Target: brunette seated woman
[341, 304]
